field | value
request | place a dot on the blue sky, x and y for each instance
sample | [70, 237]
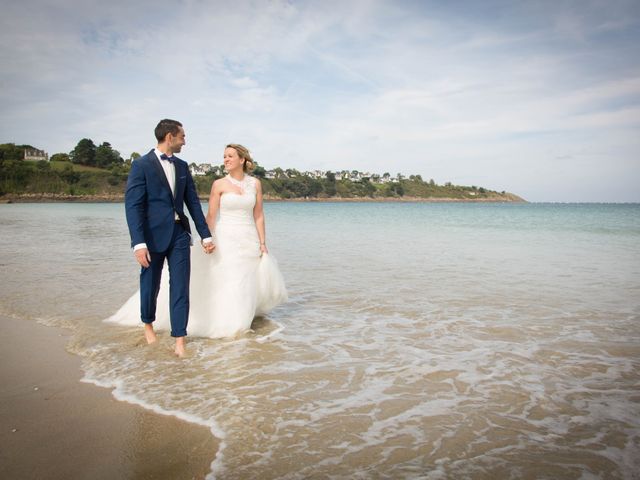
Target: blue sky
[540, 98]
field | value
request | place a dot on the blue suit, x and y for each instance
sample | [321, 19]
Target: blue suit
[151, 211]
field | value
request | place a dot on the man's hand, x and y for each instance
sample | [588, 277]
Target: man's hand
[143, 257]
[209, 247]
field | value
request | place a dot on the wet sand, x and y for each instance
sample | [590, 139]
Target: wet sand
[54, 426]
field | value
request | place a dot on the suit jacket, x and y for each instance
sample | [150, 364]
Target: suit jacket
[151, 207]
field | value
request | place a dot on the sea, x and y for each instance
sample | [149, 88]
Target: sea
[420, 340]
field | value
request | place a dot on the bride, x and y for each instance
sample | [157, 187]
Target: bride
[239, 280]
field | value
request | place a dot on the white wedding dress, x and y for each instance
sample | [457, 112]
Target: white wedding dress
[228, 287]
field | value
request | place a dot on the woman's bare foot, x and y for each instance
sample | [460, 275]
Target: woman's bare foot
[149, 334]
[180, 350]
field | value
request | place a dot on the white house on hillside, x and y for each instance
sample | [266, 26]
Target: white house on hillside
[202, 169]
[35, 155]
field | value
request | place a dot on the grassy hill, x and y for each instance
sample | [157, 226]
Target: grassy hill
[59, 180]
[60, 166]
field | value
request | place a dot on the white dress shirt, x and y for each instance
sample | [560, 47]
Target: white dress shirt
[169, 170]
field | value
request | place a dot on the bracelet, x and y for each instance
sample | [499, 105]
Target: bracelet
[262, 243]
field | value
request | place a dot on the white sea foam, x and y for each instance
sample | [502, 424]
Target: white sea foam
[119, 393]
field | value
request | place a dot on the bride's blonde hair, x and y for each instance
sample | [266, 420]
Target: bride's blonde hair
[244, 154]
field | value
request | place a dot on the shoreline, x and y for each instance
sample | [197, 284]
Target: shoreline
[117, 198]
[56, 426]
[396, 200]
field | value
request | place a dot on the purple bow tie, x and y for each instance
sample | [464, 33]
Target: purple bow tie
[165, 157]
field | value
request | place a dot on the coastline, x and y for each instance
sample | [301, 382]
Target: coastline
[55, 426]
[119, 198]
[406, 199]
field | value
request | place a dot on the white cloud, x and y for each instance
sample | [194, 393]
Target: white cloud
[489, 94]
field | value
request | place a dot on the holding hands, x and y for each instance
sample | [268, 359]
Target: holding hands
[144, 258]
[209, 247]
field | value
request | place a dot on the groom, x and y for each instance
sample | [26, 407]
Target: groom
[158, 188]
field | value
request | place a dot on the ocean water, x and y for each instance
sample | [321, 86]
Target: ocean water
[421, 341]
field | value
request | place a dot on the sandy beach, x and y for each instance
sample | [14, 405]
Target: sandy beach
[54, 426]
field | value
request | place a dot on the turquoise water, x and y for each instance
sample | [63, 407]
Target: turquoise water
[420, 340]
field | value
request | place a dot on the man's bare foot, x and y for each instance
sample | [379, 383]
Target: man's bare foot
[149, 334]
[180, 350]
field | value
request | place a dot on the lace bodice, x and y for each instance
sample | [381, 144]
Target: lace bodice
[238, 208]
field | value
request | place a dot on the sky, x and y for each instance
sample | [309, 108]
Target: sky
[538, 98]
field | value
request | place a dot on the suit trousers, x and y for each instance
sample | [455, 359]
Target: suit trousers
[178, 257]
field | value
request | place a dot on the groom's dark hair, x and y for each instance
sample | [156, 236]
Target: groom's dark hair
[166, 126]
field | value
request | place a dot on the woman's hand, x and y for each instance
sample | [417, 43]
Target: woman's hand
[209, 247]
[263, 248]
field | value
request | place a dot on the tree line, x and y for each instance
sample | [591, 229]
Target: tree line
[86, 170]
[87, 153]
[91, 169]
[292, 184]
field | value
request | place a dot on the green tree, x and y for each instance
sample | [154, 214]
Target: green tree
[314, 187]
[296, 187]
[60, 157]
[11, 151]
[259, 171]
[106, 156]
[84, 153]
[14, 175]
[329, 184]
[132, 157]
[368, 189]
[393, 189]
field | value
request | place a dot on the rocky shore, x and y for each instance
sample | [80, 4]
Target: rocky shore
[116, 198]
